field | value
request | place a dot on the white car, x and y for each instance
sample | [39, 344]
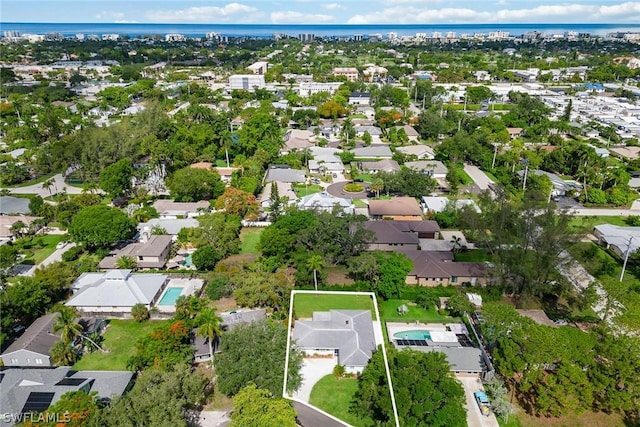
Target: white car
[61, 245]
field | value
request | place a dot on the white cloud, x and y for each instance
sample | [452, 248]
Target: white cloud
[235, 12]
[624, 12]
[110, 15]
[333, 6]
[291, 17]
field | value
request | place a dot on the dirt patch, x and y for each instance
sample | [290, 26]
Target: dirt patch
[586, 419]
[225, 304]
[241, 258]
[338, 276]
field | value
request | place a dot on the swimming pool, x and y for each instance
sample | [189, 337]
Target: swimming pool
[170, 296]
[188, 261]
[413, 335]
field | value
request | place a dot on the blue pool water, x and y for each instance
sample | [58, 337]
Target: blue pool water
[188, 262]
[413, 335]
[170, 296]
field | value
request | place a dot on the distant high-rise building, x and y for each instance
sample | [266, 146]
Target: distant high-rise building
[80, 36]
[306, 37]
[358, 37]
[392, 36]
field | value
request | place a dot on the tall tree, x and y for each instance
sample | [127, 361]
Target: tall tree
[115, 179]
[315, 262]
[209, 328]
[101, 226]
[194, 184]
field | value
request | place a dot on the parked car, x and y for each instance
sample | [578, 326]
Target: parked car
[61, 245]
[483, 402]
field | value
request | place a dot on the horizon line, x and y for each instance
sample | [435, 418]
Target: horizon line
[326, 24]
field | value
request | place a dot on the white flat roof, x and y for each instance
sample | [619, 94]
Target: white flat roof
[442, 336]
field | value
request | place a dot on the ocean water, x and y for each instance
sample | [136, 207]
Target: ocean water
[267, 30]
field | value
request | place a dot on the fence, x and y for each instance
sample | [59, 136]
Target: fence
[490, 371]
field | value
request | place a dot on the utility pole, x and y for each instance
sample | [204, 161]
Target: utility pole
[626, 257]
[525, 162]
[495, 152]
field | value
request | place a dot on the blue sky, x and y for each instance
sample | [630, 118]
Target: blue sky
[322, 12]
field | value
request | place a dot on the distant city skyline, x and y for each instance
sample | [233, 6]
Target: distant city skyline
[355, 12]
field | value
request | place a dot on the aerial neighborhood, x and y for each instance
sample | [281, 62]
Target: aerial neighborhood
[307, 230]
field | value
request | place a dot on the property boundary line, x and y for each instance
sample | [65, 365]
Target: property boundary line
[384, 349]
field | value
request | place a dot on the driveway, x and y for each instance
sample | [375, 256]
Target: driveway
[57, 187]
[313, 369]
[54, 257]
[471, 384]
[480, 178]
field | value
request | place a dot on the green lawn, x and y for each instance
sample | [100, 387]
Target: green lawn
[474, 255]
[358, 203]
[302, 190]
[390, 313]
[305, 304]
[585, 224]
[249, 238]
[334, 396]
[120, 341]
[39, 254]
[366, 177]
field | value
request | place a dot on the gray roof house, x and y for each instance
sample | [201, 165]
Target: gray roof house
[373, 152]
[619, 239]
[10, 205]
[32, 348]
[346, 333]
[385, 165]
[434, 168]
[171, 209]
[153, 253]
[284, 174]
[27, 390]
[115, 292]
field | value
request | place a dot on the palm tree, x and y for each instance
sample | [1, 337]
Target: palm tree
[126, 263]
[63, 354]
[456, 241]
[315, 262]
[377, 185]
[209, 327]
[67, 326]
[17, 228]
[48, 184]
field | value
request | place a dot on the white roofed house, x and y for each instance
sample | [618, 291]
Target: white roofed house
[324, 201]
[385, 165]
[621, 240]
[296, 140]
[421, 151]
[115, 292]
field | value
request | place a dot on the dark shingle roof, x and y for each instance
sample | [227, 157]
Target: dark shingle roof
[39, 337]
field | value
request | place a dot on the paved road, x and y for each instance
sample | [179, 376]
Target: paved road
[474, 417]
[309, 417]
[58, 186]
[480, 178]
[635, 210]
[337, 190]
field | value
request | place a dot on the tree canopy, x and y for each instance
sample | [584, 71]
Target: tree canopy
[255, 353]
[253, 406]
[101, 226]
[193, 184]
[426, 392]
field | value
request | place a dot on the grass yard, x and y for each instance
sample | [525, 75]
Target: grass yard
[585, 224]
[390, 313]
[42, 247]
[358, 203]
[334, 396]
[337, 275]
[474, 255]
[366, 177]
[249, 239]
[120, 342]
[302, 190]
[305, 304]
